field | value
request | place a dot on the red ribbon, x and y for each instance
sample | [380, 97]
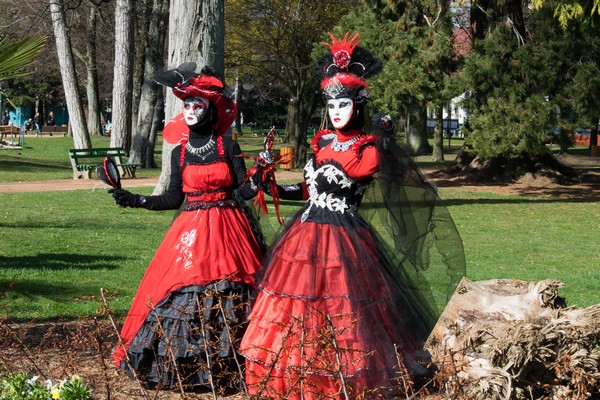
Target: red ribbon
[268, 174]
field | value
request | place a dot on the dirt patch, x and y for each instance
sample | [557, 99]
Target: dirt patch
[58, 350]
[585, 186]
[96, 184]
[71, 184]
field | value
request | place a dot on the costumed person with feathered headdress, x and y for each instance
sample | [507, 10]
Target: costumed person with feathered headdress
[344, 304]
[189, 311]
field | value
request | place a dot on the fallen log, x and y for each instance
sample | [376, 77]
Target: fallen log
[511, 339]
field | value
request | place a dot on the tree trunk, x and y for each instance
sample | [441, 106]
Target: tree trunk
[238, 96]
[438, 136]
[594, 134]
[196, 33]
[123, 76]
[143, 11]
[93, 96]
[416, 132]
[157, 124]
[150, 90]
[81, 137]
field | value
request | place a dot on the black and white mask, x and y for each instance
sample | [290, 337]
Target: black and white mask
[195, 110]
[340, 111]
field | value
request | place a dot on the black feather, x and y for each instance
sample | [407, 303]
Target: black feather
[359, 55]
[109, 173]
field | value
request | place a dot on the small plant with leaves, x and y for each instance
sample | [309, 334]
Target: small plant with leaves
[72, 389]
[21, 387]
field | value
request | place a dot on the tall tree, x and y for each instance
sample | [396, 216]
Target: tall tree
[91, 62]
[81, 137]
[123, 75]
[277, 39]
[196, 33]
[520, 72]
[145, 134]
[414, 41]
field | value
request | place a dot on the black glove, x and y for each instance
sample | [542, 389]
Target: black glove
[125, 199]
[383, 123]
[384, 126]
[257, 180]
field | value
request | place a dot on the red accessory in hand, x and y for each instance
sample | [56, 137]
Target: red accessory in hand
[266, 164]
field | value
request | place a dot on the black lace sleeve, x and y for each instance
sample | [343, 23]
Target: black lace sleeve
[174, 196]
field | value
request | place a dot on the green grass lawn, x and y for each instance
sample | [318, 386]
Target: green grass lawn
[57, 249]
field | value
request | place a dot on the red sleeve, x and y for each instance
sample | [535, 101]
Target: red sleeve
[367, 163]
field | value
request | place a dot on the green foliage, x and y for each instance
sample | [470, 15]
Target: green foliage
[24, 90]
[16, 55]
[75, 389]
[269, 44]
[570, 10]
[526, 82]
[21, 387]
[507, 127]
[414, 43]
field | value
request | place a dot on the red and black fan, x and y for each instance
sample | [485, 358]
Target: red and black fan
[109, 173]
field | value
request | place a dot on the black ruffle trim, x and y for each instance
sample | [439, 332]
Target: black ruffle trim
[192, 337]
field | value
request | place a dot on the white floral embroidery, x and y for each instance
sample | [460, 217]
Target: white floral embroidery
[183, 247]
[326, 200]
[188, 238]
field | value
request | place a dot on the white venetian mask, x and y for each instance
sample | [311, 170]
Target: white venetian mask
[340, 111]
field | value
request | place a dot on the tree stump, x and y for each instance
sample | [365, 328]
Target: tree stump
[511, 339]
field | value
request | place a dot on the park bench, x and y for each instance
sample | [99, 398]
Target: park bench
[84, 161]
[64, 130]
[10, 130]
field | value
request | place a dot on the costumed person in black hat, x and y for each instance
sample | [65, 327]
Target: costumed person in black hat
[189, 311]
[344, 304]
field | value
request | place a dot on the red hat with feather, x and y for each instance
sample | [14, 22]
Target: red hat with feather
[343, 71]
[186, 83]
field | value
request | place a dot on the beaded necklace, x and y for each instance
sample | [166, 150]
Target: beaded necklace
[344, 146]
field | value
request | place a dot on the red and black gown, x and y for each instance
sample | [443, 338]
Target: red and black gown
[334, 316]
[190, 308]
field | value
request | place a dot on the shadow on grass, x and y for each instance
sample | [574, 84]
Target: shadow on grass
[64, 261]
[28, 165]
[62, 293]
[550, 200]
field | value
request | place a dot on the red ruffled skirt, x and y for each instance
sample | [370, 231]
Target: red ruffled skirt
[202, 246]
[329, 318]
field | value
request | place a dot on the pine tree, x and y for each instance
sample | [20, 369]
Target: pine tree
[520, 74]
[414, 42]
